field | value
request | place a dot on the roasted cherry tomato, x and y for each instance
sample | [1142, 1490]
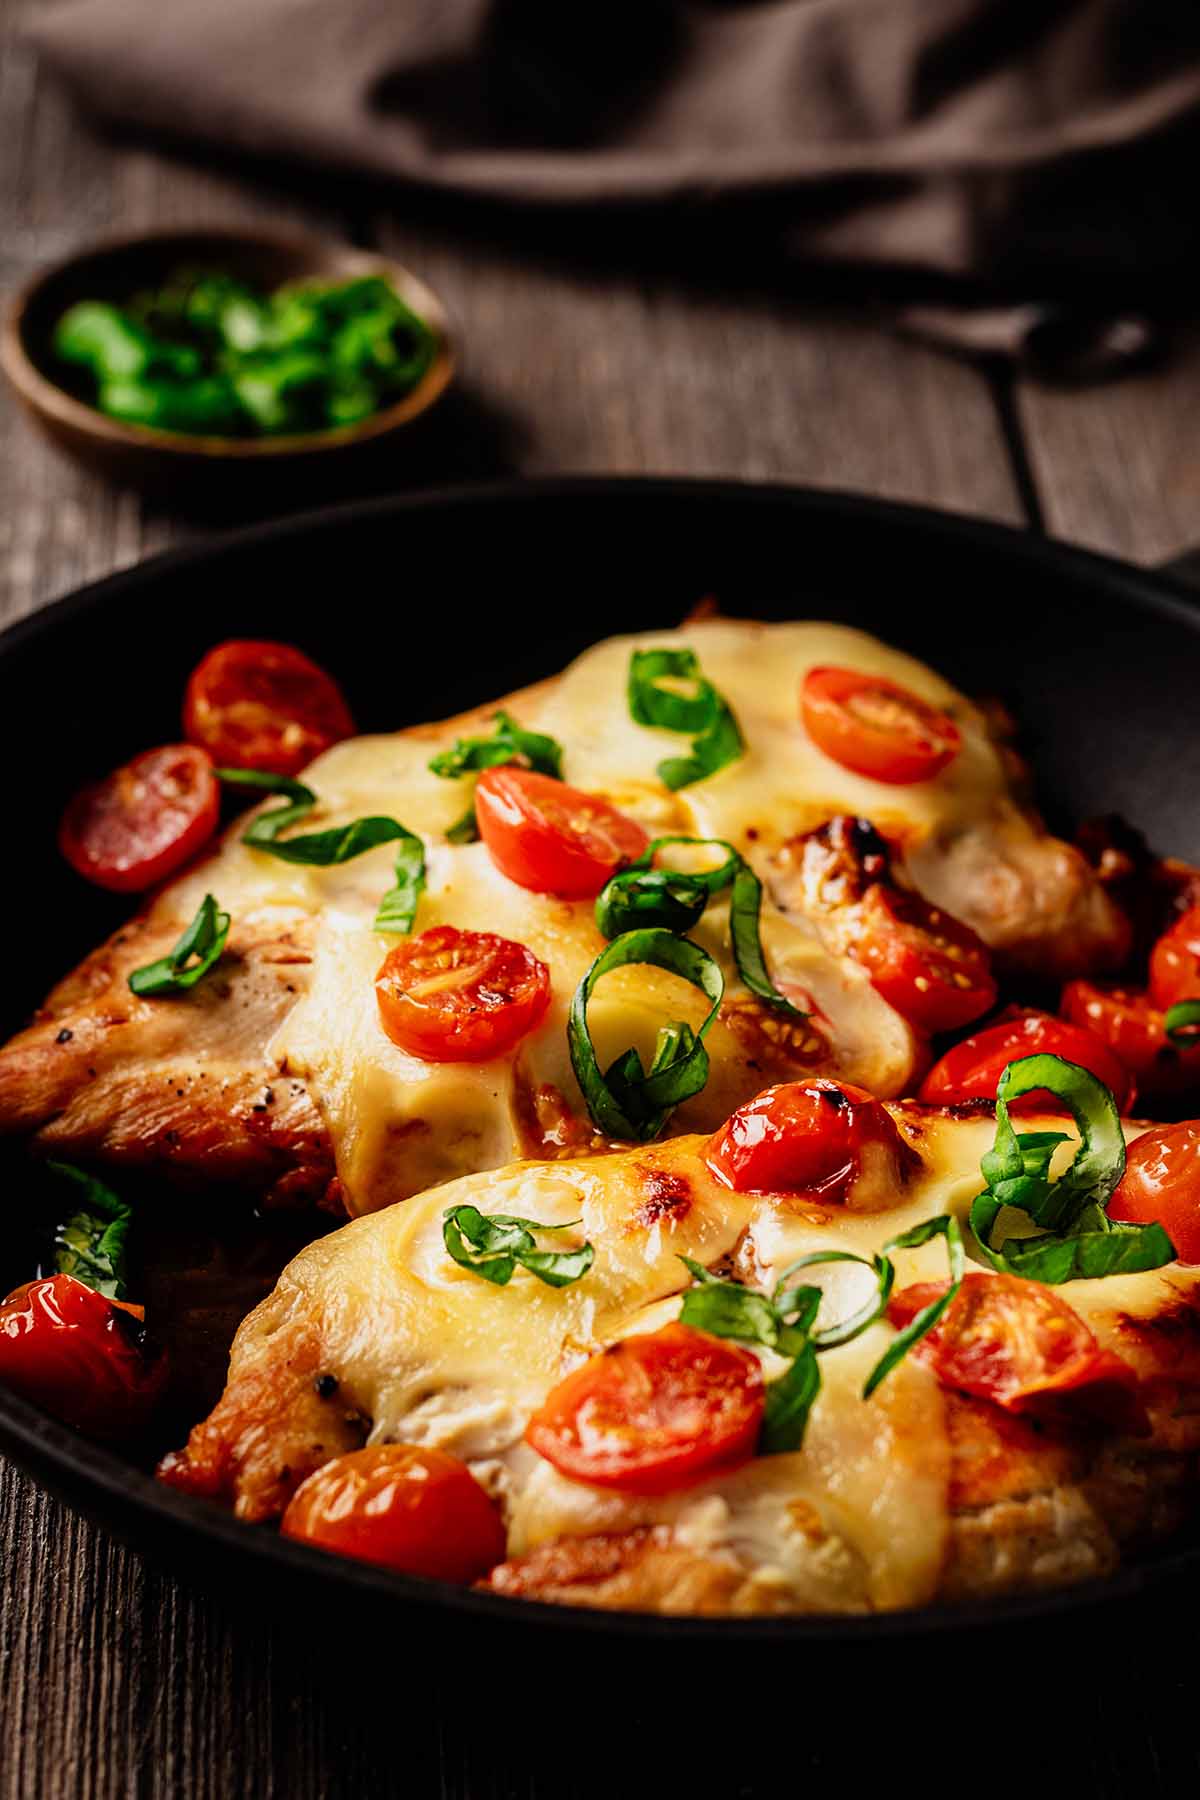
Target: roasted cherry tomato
[82, 1358]
[1015, 1343]
[1162, 1182]
[418, 1511]
[550, 837]
[1175, 962]
[927, 965]
[653, 1412]
[824, 1139]
[972, 1069]
[144, 821]
[1133, 1027]
[460, 996]
[256, 705]
[876, 727]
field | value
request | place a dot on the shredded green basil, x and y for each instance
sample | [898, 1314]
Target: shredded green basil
[784, 1322]
[745, 908]
[667, 899]
[627, 1100]
[197, 951]
[675, 900]
[1075, 1239]
[508, 743]
[398, 908]
[90, 1244]
[947, 1226]
[323, 849]
[703, 714]
[494, 1245]
[1181, 1022]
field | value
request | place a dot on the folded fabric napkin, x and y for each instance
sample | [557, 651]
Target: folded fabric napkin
[1027, 150]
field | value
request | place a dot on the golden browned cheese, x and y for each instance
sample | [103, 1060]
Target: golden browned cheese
[180, 1084]
[912, 1496]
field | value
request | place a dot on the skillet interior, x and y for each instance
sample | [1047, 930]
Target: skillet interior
[426, 604]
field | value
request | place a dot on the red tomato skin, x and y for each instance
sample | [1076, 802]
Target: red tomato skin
[254, 704]
[67, 1349]
[700, 1399]
[1162, 1182]
[401, 1507]
[1175, 962]
[144, 821]
[972, 1069]
[552, 838]
[1016, 1343]
[502, 996]
[875, 727]
[808, 1138]
[933, 969]
[1135, 1030]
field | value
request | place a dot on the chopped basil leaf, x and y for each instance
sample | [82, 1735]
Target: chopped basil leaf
[90, 1244]
[398, 908]
[705, 714]
[265, 781]
[627, 1100]
[642, 896]
[745, 907]
[857, 1323]
[1181, 1022]
[341, 843]
[784, 1323]
[947, 1226]
[493, 1245]
[669, 899]
[789, 1401]
[727, 1309]
[1119, 1249]
[508, 743]
[1076, 1239]
[176, 972]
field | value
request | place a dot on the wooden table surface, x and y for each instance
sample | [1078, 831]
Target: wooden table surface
[116, 1677]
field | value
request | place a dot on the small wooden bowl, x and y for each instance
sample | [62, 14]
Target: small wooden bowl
[116, 270]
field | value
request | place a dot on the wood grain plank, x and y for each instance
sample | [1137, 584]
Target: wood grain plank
[1118, 466]
[587, 370]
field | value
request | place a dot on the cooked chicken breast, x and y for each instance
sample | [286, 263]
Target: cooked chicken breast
[274, 1073]
[917, 1494]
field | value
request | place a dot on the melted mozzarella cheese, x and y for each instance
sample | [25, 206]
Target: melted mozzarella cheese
[399, 1124]
[858, 1518]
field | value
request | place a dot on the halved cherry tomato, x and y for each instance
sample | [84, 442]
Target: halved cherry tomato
[972, 1069]
[460, 996]
[818, 1138]
[1132, 1026]
[81, 1357]
[927, 965]
[1162, 1182]
[258, 705]
[1015, 1343]
[421, 1512]
[876, 727]
[653, 1413]
[144, 821]
[550, 837]
[1175, 962]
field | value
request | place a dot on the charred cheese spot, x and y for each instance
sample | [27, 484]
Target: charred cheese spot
[666, 1197]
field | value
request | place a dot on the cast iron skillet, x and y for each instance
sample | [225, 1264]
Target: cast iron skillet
[424, 604]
